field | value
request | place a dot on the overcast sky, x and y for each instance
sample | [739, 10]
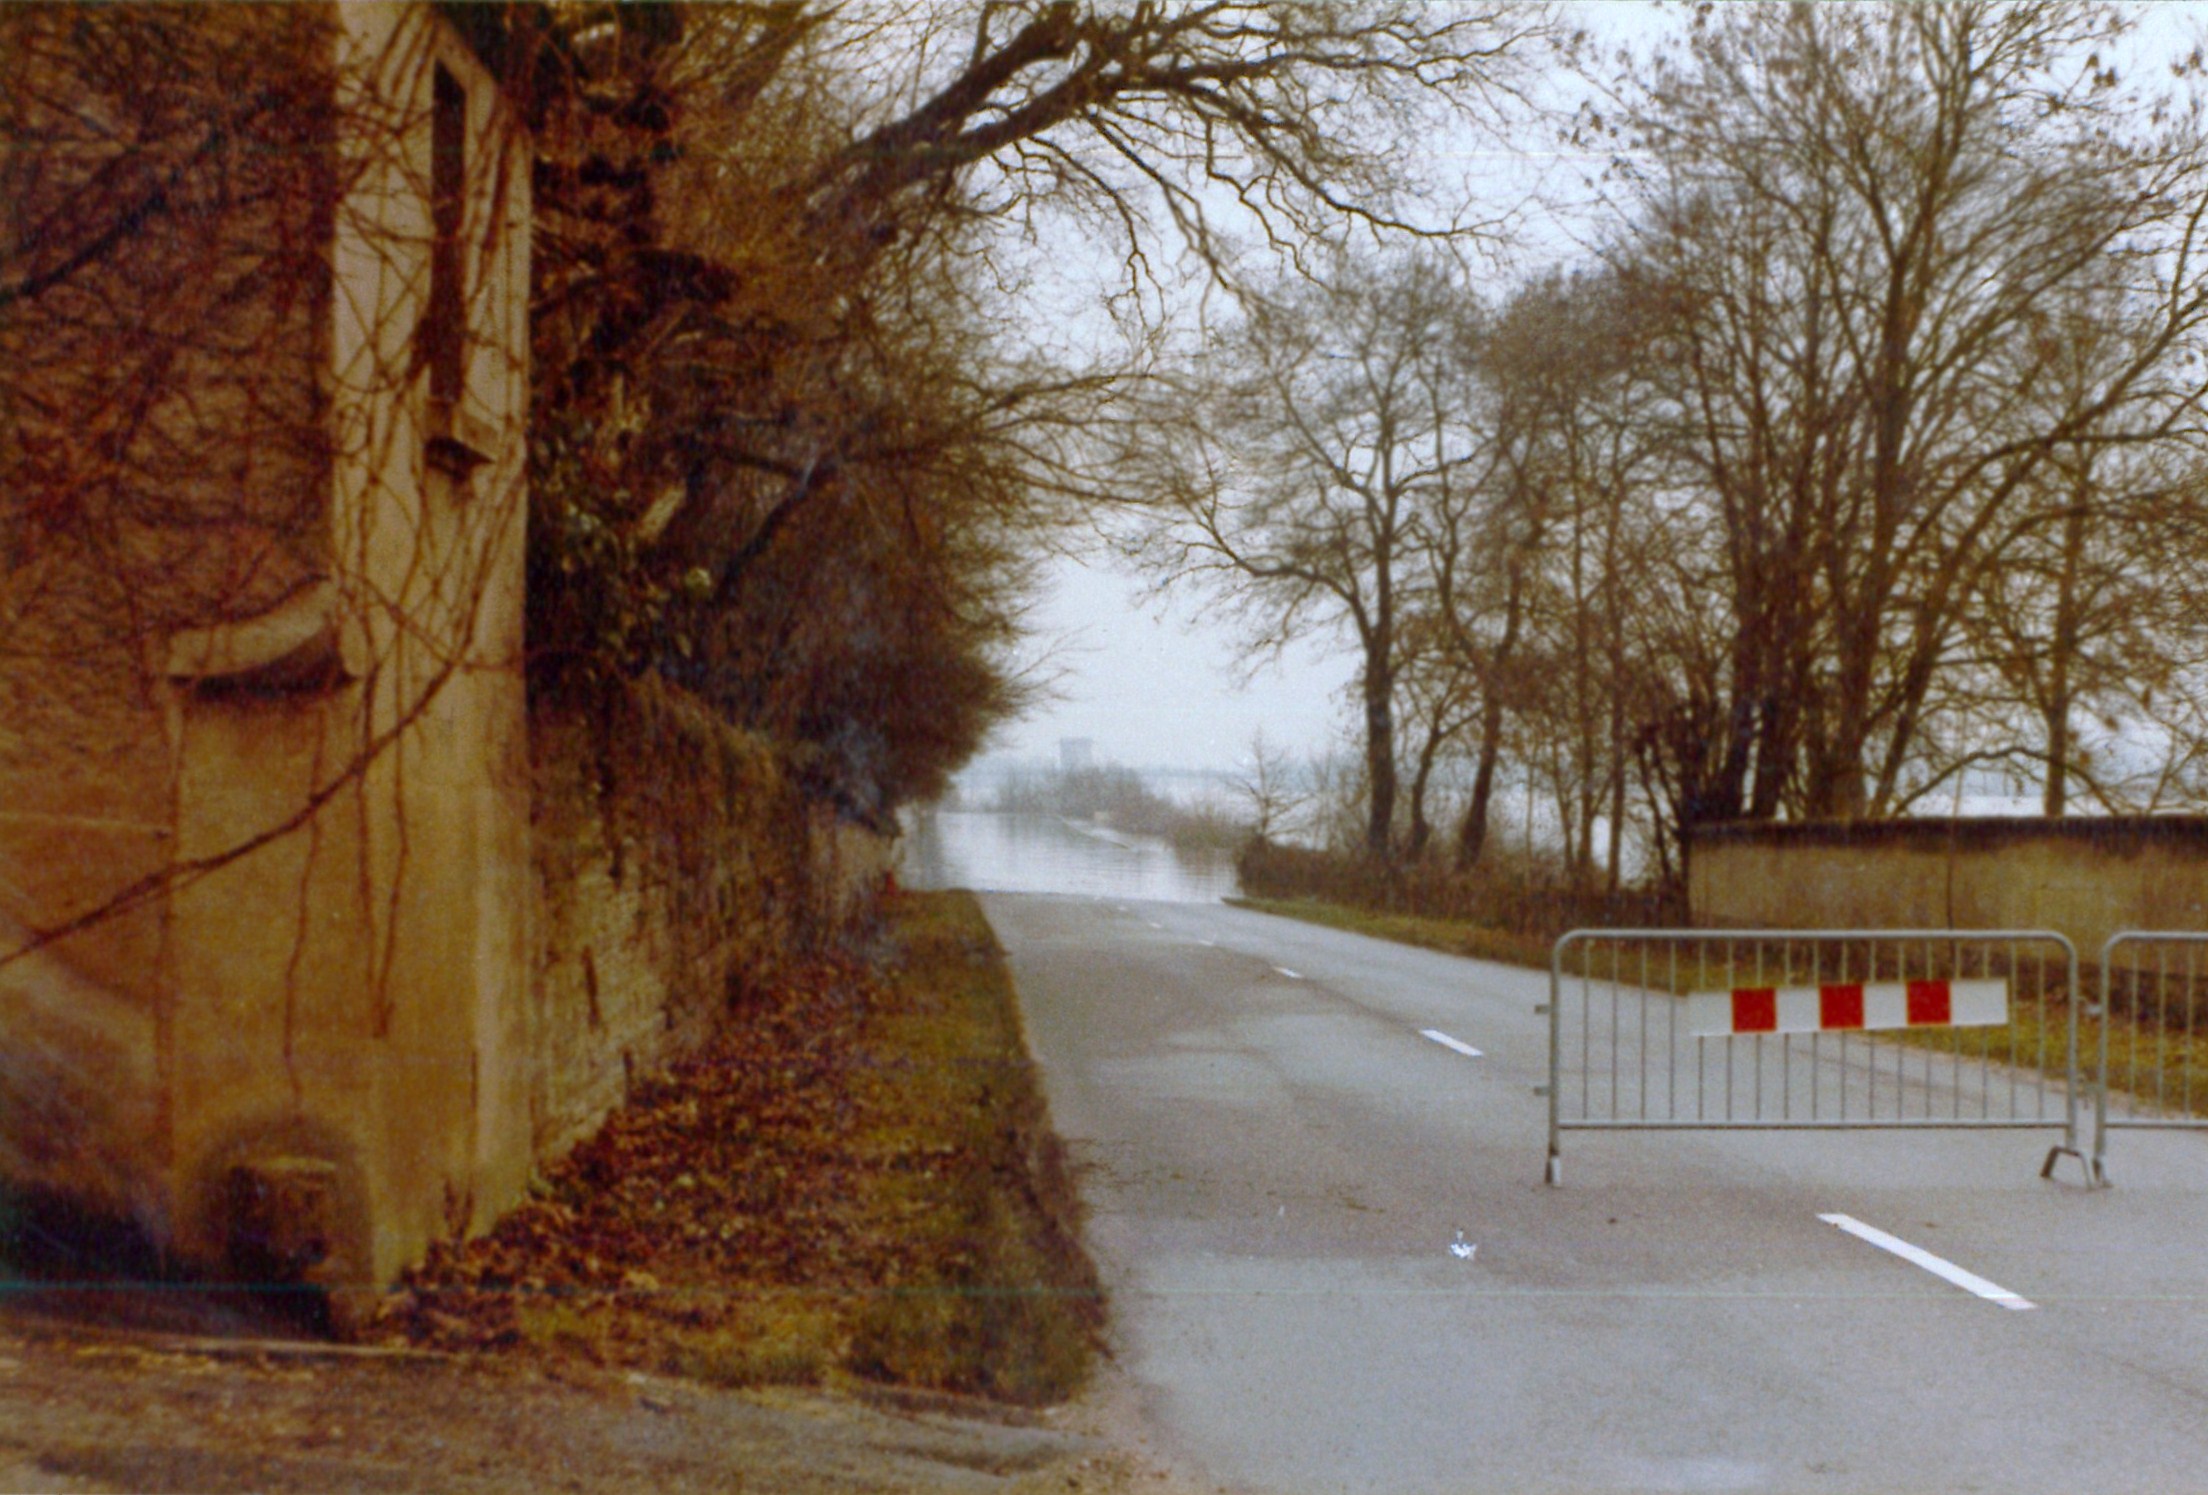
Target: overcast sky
[1155, 686]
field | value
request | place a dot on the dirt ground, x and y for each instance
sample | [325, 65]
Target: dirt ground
[94, 1406]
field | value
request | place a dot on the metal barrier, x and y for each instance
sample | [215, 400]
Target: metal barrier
[1656, 1029]
[2151, 993]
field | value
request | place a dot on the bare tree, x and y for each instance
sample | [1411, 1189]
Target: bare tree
[1268, 784]
[1865, 223]
[1298, 476]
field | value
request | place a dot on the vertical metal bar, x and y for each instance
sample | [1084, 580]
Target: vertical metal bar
[2039, 1070]
[1701, 1045]
[1871, 1111]
[1643, 1068]
[1553, 1173]
[1586, 1035]
[1931, 973]
[2070, 1054]
[2131, 1035]
[1731, 983]
[1671, 1041]
[1816, 1040]
[2100, 1066]
[1986, 1047]
[2191, 1003]
[2127, 1036]
[1614, 953]
[1901, 1050]
[2161, 1026]
[1756, 1049]
[1843, 1080]
[2016, 975]
[1955, 1035]
[1786, 1046]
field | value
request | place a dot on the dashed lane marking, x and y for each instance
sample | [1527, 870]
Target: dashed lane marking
[1938, 1266]
[1447, 1042]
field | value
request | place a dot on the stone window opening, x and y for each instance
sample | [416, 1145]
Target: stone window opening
[443, 337]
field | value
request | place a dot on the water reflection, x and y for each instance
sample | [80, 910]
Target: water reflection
[1045, 854]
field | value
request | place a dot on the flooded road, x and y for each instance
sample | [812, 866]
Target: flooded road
[1046, 854]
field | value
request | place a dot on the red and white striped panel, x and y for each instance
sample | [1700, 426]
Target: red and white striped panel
[1848, 1007]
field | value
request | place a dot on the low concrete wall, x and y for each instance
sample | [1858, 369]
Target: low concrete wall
[2082, 877]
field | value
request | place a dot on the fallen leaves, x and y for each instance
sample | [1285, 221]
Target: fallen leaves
[730, 1176]
[842, 1178]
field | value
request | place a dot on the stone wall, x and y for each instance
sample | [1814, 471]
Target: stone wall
[366, 934]
[2082, 877]
[674, 863]
[300, 1050]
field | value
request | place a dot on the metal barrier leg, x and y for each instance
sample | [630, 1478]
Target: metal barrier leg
[2089, 1167]
[1553, 1009]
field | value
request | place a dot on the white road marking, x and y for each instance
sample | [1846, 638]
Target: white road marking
[1153, 924]
[1447, 1042]
[1938, 1266]
[1291, 975]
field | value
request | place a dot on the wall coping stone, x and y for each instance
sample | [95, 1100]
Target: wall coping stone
[2116, 833]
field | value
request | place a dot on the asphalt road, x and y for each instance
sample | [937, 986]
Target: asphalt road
[1336, 1266]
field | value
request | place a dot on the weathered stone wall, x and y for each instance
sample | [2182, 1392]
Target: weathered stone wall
[673, 863]
[389, 937]
[2082, 877]
[157, 481]
[302, 1047]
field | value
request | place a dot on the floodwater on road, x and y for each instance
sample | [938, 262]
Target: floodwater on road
[995, 853]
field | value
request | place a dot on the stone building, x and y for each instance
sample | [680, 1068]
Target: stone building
[264, 777]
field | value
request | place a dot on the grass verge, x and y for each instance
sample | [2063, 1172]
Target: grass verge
[1450, 936]
[1002, 1300]
[856, 1180]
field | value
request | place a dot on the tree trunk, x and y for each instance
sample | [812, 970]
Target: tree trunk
[1422, 832]
[1472, 833]
[1379, 762]
[2057, 799]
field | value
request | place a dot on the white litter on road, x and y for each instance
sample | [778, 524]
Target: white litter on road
[1463, 1248]
[1291, 975]
[1938, 1266]
[1447, 1042]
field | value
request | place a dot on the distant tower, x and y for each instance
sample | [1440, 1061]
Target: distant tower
[1076, 753]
